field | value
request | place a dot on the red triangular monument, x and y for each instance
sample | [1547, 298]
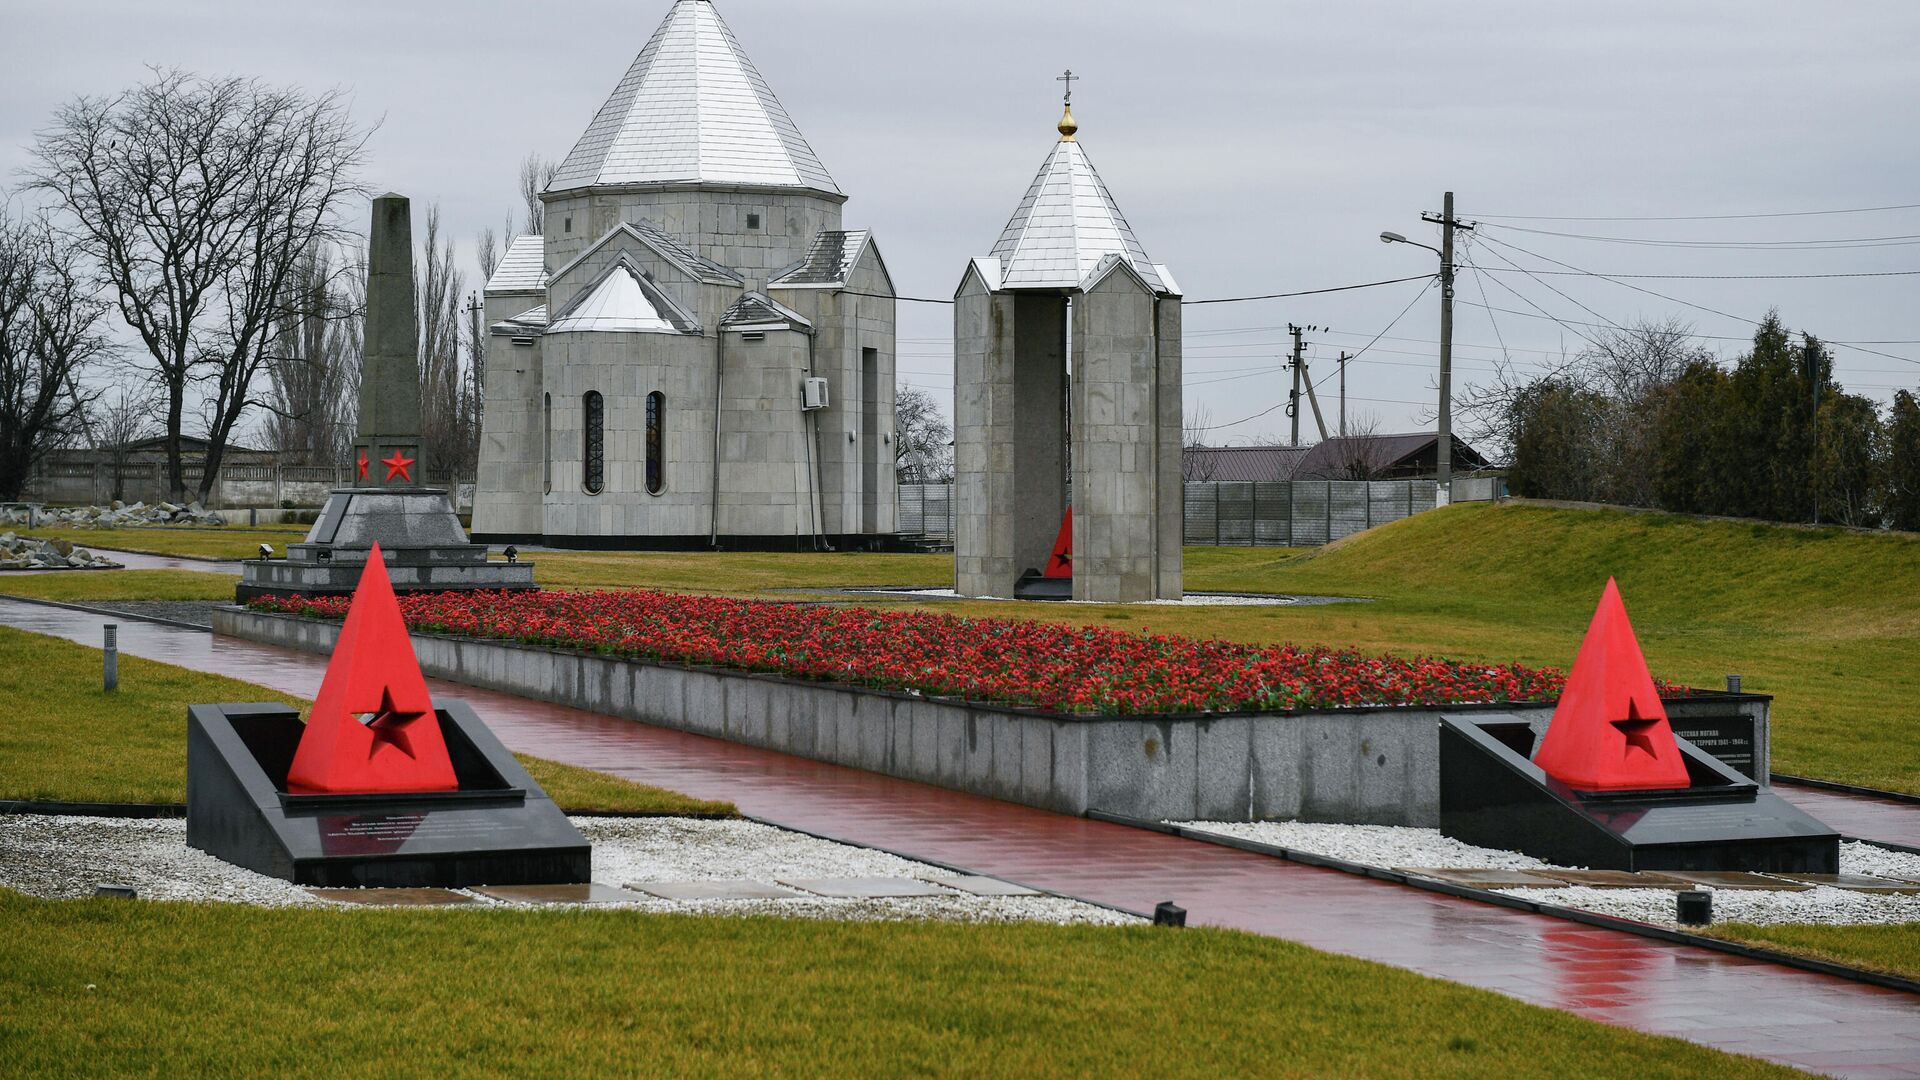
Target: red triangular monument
[373, 727]
[1060, 563]
[1610, 732]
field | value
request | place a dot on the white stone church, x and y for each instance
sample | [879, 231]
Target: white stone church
[696, 352]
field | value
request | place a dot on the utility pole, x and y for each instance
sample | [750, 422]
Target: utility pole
[1444, 451]
[1293, 399]
[1343, 394]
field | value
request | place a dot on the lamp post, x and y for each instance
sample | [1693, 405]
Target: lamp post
[1443, 452]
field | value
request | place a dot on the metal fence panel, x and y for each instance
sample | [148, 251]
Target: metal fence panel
[1236, 513]
[1202, 513]
[1309, 512]
[1346, 508]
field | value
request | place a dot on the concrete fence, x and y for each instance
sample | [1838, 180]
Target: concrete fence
[69, 483]
[1366, 766]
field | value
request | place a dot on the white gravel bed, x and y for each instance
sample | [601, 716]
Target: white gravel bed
[64, 857]
[1395, 846]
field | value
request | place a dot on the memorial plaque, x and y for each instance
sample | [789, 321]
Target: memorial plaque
[1729, 738]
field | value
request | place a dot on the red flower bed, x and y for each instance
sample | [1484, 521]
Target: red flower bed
[1051, 666]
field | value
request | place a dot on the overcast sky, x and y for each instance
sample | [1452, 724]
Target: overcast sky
[1254, 147]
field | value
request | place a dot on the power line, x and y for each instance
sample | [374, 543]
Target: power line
[1709, 217]
[1698, 277]
[1852, 243]
[1187, 303]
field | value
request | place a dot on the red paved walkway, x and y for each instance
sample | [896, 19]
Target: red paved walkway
[1708, 997]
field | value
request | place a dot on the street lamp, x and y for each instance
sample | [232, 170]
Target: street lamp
[1443, 451]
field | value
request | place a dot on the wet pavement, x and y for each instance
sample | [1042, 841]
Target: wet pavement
[1746, 1006]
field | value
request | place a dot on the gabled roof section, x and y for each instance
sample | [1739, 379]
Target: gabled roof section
[523, 268]
[624, 301]
[758, 311]
[694, 266]
[830, 261]
[530, 321]
[1066, 224]
[692, 109]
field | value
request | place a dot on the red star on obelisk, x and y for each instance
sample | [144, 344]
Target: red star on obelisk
[398, 465]
[363, 464]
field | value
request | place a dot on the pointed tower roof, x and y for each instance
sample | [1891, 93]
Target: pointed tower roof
[692, 109]
[1067, 223]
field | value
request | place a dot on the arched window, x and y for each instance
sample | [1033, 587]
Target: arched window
[656, 442]
[594, 457]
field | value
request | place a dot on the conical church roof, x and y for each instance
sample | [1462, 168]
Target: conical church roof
[692, 109]
[1067, 223]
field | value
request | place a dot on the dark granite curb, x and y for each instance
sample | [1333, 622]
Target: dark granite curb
[1485, 896]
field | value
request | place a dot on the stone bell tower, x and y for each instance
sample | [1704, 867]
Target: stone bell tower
[1067, 389]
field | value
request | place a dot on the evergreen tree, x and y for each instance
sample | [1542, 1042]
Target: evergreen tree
[1903, 463]
[1848, 461]
[1697, 442]
[1556, 427]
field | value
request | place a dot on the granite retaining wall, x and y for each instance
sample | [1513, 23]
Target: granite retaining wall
[1364, 766]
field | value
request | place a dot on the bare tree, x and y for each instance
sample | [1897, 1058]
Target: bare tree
[50, 334]
[446, 405]
[922, 439]
[121, 418]
[196, 198]
[1361, 453]
[535, 174]
[307, 370]
[1195, 425]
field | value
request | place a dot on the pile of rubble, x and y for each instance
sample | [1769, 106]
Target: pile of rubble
[118, 516]
[27, 553]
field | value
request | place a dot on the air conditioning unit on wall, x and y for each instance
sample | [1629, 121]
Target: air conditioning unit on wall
[813, 394]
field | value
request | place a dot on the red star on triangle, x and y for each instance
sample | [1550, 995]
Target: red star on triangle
[389, 726]
[363, 464]
[398, 465]
[1638, 731]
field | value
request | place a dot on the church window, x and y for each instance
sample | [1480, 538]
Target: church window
[566, 224]
[753, 221]
[656, 442]
[595, 458]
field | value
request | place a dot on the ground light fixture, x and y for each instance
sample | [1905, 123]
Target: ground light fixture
[1167, 913]
[266, 551]
[1693, 907]
[512, 553]
[324, 555]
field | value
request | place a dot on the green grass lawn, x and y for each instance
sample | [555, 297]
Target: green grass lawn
[205, 542]
[1893, 948]
[1826, 620]
[108, 987]
[78, 586]
[64, 738]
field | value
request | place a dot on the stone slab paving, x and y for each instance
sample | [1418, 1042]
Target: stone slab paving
[981, 885]
[590, 893]
[865, 888]
[394, 897]
[1733, 1003]
[714, 890]
[1613, 879]
[1733, 879]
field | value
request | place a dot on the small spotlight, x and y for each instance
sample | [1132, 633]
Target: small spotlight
[266, 551]
[1167, 913]
[115, 892]
[1694, 907]
[324, 555]
[512, 553]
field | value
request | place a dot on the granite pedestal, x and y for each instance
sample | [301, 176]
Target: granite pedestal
[426, 549]
[1493, 795]
[498, 828]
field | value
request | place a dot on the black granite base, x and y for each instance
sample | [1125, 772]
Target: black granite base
[499, 828]
[1032, 586]
[1493, 796]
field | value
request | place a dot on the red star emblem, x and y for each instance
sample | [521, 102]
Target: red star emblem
[398, 466]
[363, 464]
[389, 727]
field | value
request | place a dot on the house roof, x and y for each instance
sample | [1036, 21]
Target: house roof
[1241, 463]
[693, 265]
[523, 268]
[1065, 225]
[624, 301]
[1329, 459]
[692, 109]
[828, 261]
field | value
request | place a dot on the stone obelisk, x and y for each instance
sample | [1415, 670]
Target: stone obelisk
[387, 451]
[388, 502]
